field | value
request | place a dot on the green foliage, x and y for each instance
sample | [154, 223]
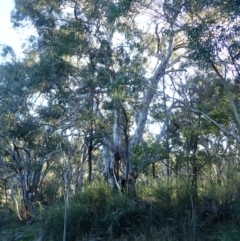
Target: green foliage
[148, 152]
[86, 76]
[161, 209]
[117, 10]
[98, 211]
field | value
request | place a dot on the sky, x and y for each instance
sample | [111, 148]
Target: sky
[8, 35]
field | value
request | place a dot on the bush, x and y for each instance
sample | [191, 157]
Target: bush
[171, 210]
[98, 211]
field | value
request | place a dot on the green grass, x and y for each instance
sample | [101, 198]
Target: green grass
[160, 211]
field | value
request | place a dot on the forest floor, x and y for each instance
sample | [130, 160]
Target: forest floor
[160, 213]
[32, 230]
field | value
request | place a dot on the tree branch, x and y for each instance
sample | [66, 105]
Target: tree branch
[236, 114]
[213, 121]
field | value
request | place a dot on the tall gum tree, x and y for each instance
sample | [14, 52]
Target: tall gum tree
[25, 146]
[212, 29]
[78, 56]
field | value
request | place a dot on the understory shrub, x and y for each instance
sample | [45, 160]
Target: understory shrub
[172, 209]
[99, 211]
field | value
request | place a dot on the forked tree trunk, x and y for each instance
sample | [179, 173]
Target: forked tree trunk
[121, 129]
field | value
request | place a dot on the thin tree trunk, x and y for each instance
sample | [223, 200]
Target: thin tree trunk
[65, 215]
[90, 148]
[14, 200]
[66, 196]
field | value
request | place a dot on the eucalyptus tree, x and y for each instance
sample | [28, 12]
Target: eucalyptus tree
[211, 34]
[106, 70]
[212, 29]
[200, 141]
[94, 65]
[25, 145]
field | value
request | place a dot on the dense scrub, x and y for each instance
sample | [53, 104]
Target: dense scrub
[161, 210]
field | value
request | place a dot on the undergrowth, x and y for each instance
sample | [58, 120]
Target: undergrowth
[161, 210]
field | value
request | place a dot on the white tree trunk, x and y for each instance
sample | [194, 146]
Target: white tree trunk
[163, 130]
[67, 184]
[116, 130]
[154, 80]
[15, 202]
[108, 161]
[111, 147]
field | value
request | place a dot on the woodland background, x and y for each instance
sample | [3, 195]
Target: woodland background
[121, 121]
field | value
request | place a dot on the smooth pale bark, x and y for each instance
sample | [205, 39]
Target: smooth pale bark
[108, 161]
[67, 183]
[143, 114]
[118, 152]
[163, 130]
[26, 193]
[110, 149]
[15, 202]
[117, 131]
